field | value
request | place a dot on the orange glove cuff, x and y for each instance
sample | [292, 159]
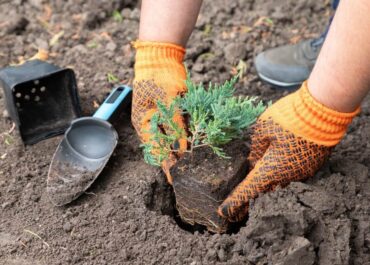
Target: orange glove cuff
[160, 62]
[302, 115]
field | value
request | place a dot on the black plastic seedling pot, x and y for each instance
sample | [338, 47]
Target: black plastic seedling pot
[41, 98]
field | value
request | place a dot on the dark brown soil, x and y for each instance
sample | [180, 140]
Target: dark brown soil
[322, 221]
[202, 180]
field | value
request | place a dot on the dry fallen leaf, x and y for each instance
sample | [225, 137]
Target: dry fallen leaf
[77, 17]
[2, 24]
[241, 68]
[263, 21]
[295, 39]
[47, 13]
[234, 71]
[96, 104]
[106, 35]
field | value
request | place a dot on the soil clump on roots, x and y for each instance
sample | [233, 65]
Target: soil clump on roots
[202, 180]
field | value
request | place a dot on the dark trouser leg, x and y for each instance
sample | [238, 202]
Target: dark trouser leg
[335, 4]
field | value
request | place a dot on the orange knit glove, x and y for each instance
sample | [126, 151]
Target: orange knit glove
[290, 142]
[159, 75]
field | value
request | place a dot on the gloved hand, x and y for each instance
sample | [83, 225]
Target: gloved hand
[159, 75]
[290, 142]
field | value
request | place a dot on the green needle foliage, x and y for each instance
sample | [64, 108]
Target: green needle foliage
[214, 115]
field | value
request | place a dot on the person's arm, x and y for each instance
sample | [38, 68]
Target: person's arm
[165, 27]
[341, 77]
[295, 136]
[168, 20]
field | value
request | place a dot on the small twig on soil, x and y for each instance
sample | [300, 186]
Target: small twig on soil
[36, 235]
[55, 38]
[90, 193]
[213, 223]
[12, 129]
[7, 137]
[23, 244]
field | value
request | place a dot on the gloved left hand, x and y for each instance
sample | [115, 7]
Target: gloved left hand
[159, 75]
[291, 141]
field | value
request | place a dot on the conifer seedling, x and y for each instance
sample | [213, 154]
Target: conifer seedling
[214, 116]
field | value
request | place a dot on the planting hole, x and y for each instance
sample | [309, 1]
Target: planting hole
[27, 97]
[18, 104]
[18, 95]
[43, 89]
[33, 90]
[160, 198]
[37, 98]
[36, 82]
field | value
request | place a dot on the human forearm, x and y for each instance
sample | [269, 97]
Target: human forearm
[168, 21]
[341, 77]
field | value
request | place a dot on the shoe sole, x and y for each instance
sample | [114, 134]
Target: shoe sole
[279, 84]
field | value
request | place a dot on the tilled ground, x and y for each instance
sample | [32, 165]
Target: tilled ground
[119, 220]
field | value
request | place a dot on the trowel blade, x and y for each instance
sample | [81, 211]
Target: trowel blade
[71, 174]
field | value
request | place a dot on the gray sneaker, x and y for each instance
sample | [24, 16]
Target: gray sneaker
[290, 65]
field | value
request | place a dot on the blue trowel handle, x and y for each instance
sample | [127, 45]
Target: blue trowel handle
[117, 99]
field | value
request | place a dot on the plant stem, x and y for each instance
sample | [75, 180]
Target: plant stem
[193, 139]
[200, 145]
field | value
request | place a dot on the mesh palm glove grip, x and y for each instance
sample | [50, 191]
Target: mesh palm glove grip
[159, 75]
[290, 142]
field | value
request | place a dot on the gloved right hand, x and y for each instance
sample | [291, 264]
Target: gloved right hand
[159, 75]
[290, 141]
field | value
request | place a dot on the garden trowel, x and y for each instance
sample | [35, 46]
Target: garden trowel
[85, 149]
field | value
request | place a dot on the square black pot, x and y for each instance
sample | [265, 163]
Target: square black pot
[41, 98]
